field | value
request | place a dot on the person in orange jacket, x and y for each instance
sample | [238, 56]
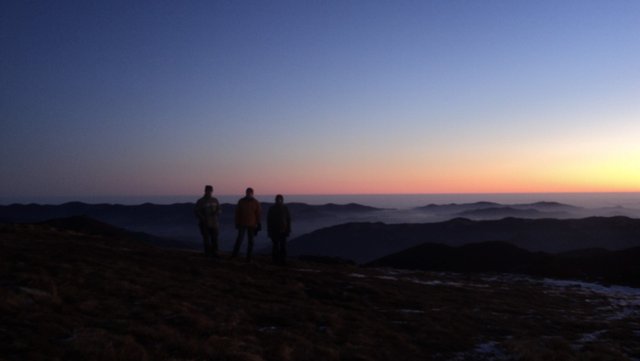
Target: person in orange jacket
[247, 219]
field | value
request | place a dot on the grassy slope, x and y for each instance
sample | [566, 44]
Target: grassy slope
[66, 295]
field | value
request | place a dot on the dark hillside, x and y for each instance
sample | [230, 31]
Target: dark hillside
[88, 295]
[473, 257]
[177, 221]
[89, 226]
[365, 242]
[598, 265]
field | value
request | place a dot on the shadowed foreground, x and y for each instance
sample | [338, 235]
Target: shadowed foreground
[74, 296]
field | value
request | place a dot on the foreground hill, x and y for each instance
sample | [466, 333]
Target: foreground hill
[365, 242]
[73, 294]
[89, 226]
[618, 267]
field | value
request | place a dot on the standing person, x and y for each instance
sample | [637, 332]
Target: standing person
[279, 228]
[247, 221]
[207, 210]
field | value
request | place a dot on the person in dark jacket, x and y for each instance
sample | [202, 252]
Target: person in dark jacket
[279, 228]
[207, 210]
[247, 219]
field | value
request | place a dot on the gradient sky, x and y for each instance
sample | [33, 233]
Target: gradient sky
[318, 97]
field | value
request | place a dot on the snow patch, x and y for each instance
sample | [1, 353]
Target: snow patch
[389, 278]
[488, 351]
[357, 275]
[590, 337]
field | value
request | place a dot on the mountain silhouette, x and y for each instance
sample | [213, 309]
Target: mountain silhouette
[177, 221]
[513, 212]
[365, 242]
[457, 207]
[491, 210]
[89, 226]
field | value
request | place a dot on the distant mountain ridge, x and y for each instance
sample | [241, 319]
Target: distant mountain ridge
[503, 212]
[457, 207]
[177, 221]
[179, 212]
[364, 242]
[492, 210]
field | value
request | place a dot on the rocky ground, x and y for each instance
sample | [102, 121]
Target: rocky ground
[68, 295]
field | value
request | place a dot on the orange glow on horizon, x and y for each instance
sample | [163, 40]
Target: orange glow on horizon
[575, 168]
[554, 179]
[450, 186]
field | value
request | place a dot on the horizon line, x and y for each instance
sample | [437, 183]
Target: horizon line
[402, 200]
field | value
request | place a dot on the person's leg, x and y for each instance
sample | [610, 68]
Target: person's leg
[250, 236]
[274, 249]
[283, 250]
[204, 231]
[214, 242]
[239, 238]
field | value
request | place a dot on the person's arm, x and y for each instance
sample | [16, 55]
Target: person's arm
[197, 210]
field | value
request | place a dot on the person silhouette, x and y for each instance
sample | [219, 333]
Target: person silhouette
[279, 228]
[247, 220]
[207, 210]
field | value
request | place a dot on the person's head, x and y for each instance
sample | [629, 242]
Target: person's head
[279, 199]
[249, 192]
[208, 189]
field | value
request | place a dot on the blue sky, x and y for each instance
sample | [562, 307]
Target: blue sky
[161, 97]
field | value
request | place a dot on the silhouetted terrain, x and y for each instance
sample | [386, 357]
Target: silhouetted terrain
[155, 214]
[491, 210]
[76, 289]
[177, 221]
[504, 212]
[538, 209]
[365, 242]
[89, 226]
[618, 267]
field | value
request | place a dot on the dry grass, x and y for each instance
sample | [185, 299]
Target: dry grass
[73, 297]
